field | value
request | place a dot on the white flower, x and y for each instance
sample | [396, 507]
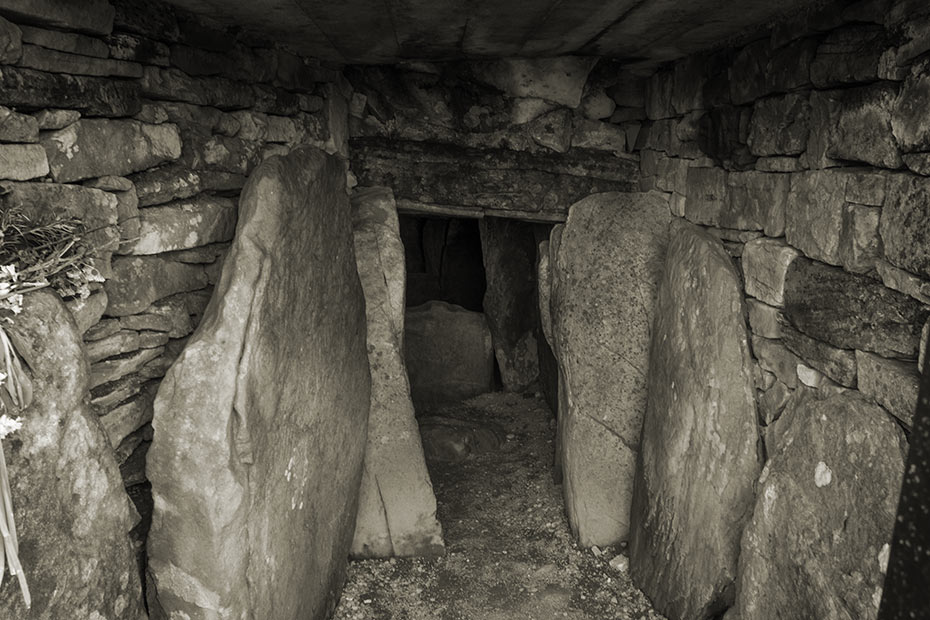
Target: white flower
[9, 271]
[9, 425]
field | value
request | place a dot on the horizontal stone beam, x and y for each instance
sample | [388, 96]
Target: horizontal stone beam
[442, 178]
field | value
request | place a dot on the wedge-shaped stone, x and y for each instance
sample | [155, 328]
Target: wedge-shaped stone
[65, 42]
[765, 263]
[183, 224]
[397, 508]
[68, 498]
[824, 512]
[273, 395]
[97, 147]
[699, 459]
[605, 278]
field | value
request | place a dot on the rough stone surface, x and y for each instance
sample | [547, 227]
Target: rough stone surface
[863, 128]
[56, 119]
[86, 312]
[94, 148]
[22, 162]
[903, 281]
[140, 280]
[94, 96]
[743, 200]
[53, 61]
[508, 248]
[765, 263]
[838, 364]
[775, 357]
[893, 384]
[11, 43]
[70, 509]
[817, 543]
[764, 320]
[559, 80]
[183, 224]
[92, 16]
[272, 394]
[449, 353]
[905, 224]
[698, 460]
[604, 281]
[397, 508]
[16, 127]
[65, 41]
[909, 121]
[780, 125]
[851, 311]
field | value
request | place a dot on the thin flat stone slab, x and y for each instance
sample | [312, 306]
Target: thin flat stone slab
[72, 516]
[397, 508]
[260, 424]
[94, 96]
[89, 16]
[605, 277]
[818, 541]
[698, 460]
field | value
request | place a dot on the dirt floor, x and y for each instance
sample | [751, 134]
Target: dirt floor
[509, 552]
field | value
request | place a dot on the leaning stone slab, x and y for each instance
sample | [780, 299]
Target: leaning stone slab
[817, 544]
[605, 277]
[260, 424]
[397, 508]
[70, 509]
[699, 459]
[96, 147]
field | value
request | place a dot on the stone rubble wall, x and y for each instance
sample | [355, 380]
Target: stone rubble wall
[808, 157]
[145, 122]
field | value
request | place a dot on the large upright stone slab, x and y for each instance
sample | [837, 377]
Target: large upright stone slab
[397, 508]
[72, 516]
[508, 248]
[260, 425]
[604, 280]
[817, 545]
[698, 459]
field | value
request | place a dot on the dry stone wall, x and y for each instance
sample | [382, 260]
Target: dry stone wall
[144, 123]
[806, 158]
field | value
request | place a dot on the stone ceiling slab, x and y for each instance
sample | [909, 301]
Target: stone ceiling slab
[385, 31]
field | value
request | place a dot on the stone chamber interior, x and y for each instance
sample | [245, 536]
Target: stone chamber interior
[263, 262]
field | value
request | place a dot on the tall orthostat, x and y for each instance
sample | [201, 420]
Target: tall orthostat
[397, 508]
[605, 269]
[260, 425]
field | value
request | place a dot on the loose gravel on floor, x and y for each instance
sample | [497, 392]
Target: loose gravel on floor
[509, 551]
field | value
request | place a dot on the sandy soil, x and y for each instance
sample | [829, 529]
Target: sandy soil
[510, 555]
